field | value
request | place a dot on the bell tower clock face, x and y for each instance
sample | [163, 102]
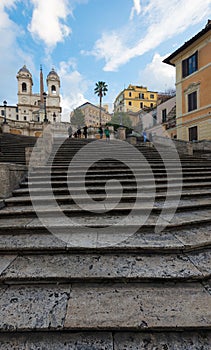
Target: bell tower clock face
[24, 99]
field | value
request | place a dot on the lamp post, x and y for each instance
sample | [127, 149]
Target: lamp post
[5, 117]
[44, 97]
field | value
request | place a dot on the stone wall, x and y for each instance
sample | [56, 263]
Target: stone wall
[11, 176]
[183, 147]
[201, 146]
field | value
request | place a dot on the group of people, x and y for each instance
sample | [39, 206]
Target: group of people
[78, 133]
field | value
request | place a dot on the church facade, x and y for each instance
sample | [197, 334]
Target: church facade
[35, 107]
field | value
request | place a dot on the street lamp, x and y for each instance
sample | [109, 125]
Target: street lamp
[44, 97]
[5, 117]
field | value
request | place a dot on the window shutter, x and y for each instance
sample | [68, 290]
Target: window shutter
[184, 68]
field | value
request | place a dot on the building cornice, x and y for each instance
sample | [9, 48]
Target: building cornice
[188, 43]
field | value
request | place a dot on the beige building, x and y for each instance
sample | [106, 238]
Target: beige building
[161, 121]
[193, 86]
[92, 114]
[135, 98]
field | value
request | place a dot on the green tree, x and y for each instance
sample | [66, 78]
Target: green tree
[100, 89]
[78, 118]
[121, 118]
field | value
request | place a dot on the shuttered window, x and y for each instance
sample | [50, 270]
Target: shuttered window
[190, 65]
[192, 101]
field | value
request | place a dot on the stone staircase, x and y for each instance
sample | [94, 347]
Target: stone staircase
[125, 268]
[12, 147]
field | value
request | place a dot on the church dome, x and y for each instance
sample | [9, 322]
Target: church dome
[24, 70]
[52, 74]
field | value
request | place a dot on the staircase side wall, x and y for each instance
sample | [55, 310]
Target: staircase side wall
[11, 175]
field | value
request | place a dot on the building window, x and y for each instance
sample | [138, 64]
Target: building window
[151, 105]
[24, 118]
[17, 117]
[130, 103]
[192, 101]
[24, 87]
[152, 96]
[193, 133]
[141, 96]
[130, 94]
[141, 105]
[164, 114]
[190, 65]
[2, 112]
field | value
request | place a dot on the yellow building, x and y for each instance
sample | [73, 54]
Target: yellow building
[135, 98]
[193, 86]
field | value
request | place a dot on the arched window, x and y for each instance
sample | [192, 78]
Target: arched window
[24, 87]
[53, 89]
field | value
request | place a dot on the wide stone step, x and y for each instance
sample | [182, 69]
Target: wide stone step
[112, 188]
[121, 204]
[119, 174]
[27, 234]
[51, 233]
[120, 306]
[70, 267]
[98, 179]
[197, 198]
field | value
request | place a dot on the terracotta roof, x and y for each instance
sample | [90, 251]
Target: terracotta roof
[188, 43]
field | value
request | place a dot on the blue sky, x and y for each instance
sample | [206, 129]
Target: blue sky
[120, 42]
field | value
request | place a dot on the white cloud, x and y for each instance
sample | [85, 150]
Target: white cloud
[136, 8]
[11, 54]
[157, 75]
[164, 20]
[48, 21]
[74, 86]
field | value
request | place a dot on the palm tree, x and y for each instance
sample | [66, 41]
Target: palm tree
[101, 89]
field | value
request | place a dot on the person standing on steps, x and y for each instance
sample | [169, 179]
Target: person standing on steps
[79, 133]
[100, 130]
[107, 133]
[145, 136]
[85, 130]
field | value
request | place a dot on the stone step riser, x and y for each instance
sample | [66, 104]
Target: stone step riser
[106, 340]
